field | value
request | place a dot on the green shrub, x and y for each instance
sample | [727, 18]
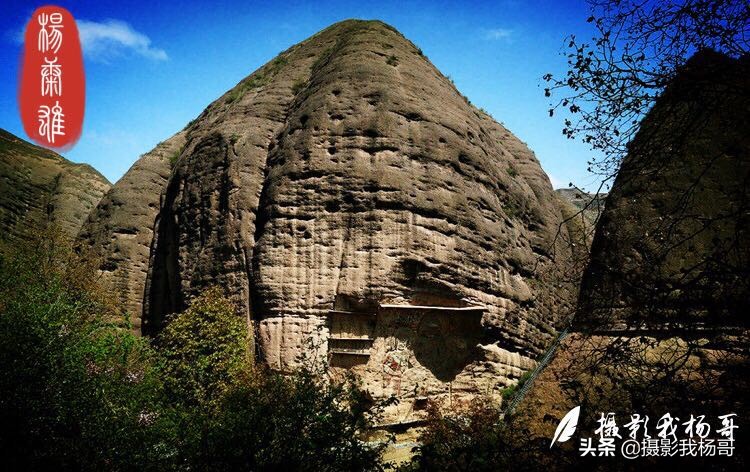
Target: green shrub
[268, 421]
[204, 349]
[237, 416]
[509, 392]
[190, 124]
[174, 157]
[511, 209]
[392, 60]
[258, 79]
[322, 58]
[471, 440]
[77, 392]
[279, 62]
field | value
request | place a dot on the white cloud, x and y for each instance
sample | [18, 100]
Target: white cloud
[499, 34]
[111, 38]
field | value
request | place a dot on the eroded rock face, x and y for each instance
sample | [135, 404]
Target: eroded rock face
[672, 247]
[661, 318]
[38, 187]
[348, 175]
[120, 229]
[585, 206]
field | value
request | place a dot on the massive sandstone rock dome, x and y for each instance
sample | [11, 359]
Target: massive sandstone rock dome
[671, 248]
[661, 322]
[357, 208]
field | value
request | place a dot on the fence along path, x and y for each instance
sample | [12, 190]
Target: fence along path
[537, 370]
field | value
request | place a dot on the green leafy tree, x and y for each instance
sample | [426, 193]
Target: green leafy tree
[77, 392]
[238, 416]
[269, 421]
[204, 349]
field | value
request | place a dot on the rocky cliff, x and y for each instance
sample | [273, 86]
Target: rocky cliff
[581, 212]
[120, 229]
[661, 322]
[357, 208]
[39, 187]
[589, 205]
[672, 246]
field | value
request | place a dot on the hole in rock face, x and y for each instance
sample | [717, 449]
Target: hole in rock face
[332, 150]
[371, 133]
[435, 331]
[413, 116]
[373, 98]
[440, 339]
[411, 269]
[345, 302]
[332, 206]
[344, 361]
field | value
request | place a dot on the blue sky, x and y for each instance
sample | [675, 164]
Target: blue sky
[152, 66]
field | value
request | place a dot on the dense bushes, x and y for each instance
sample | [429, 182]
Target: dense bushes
[472, 439]
[78, 391]
[204, 349]
[236, 416]
[272, 422]
[74, 387]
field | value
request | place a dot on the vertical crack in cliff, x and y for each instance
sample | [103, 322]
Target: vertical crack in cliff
[344, 244]
[161, 296]
[261, 219]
